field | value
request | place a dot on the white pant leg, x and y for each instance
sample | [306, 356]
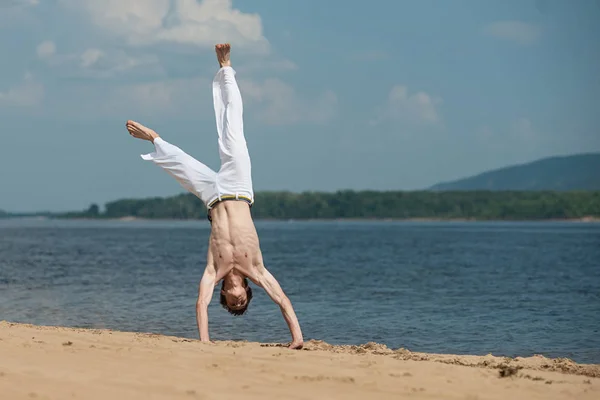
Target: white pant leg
[235, 175]
[194, 176]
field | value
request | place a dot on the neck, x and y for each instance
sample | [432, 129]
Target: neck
[232, 280]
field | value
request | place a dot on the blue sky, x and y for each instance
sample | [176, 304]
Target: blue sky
[352, 94]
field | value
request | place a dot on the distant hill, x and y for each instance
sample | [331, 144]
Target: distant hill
[575, 172]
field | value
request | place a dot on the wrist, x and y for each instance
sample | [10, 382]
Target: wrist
[297, 336]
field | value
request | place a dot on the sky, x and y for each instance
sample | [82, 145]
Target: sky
[385, 95]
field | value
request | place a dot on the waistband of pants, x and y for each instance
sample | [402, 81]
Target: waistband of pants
[227, 197]
[230, 197]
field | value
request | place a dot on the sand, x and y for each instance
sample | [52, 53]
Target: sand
[64, 363]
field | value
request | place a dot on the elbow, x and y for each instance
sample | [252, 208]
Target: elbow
[201, 306]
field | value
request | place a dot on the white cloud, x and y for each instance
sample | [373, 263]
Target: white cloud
[279, 104]
[272, 101]
[26, 94]
[105, 64]
[411, 108]
[46, 49]
[135, 25]
[97, 63]
[167, 98]
[134, 34]
[146, 98]
[186, 22]
[519, 32]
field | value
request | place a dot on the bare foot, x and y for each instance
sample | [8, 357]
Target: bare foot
[139, 131]
[223, 51]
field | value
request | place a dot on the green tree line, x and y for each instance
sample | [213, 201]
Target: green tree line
[481, 205]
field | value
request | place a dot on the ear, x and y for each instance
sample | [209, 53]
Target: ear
[223, 292]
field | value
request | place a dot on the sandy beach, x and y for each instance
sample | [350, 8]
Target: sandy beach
[64, 363]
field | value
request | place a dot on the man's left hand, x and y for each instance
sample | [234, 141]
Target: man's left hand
[296, 345]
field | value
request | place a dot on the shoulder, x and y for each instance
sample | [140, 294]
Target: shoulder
[210, 271]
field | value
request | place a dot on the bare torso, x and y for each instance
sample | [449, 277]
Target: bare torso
[234, 244]
[234, 249]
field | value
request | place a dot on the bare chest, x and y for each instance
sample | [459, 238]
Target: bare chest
[242, 257]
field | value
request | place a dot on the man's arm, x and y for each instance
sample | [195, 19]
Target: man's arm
[205, 293]
[273, 289]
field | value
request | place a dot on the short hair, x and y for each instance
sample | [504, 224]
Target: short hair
[241, 311]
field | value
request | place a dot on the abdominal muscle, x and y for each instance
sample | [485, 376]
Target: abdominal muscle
[234, 244]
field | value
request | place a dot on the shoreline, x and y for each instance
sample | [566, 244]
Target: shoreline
[59, 362]
[583, 220]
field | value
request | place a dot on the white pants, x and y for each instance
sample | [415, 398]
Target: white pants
[234, 179]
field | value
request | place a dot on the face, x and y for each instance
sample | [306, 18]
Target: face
[236, 298]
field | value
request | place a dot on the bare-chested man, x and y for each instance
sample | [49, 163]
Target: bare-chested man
[234, 254]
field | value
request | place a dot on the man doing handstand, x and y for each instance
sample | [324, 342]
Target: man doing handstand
[234, 254]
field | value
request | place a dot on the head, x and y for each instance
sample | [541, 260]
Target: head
[236, 299]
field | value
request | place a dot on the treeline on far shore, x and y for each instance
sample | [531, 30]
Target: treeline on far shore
[477, 205]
